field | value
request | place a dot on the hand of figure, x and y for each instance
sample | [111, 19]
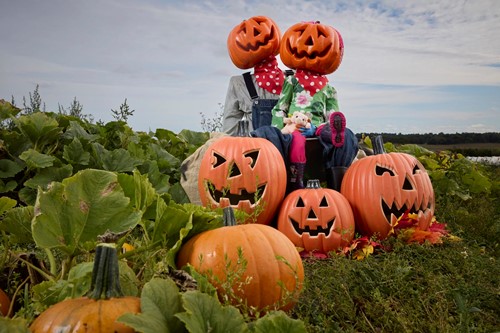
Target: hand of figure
[308, 132]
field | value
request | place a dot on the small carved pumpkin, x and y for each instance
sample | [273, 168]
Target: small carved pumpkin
[312, 46]
[243, 172]
[316, 218]
[272, 277]
[381, 187]
[253, 41]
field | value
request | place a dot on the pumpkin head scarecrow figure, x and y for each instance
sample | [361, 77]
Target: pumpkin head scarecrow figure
[254, 43]
[314, 50]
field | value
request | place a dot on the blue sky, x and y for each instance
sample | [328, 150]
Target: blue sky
[415, 66]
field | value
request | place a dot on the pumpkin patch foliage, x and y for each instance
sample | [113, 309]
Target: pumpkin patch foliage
[65, 181]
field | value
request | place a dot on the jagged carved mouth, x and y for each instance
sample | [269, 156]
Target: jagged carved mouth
[397, 212]
[254, 47]
[303, 54]
[235, 199]
[313, 232]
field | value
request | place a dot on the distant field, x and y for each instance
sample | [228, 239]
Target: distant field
[468, 148]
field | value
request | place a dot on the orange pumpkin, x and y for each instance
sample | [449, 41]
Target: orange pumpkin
[272, 263]
[381, 187]
[98, 312]
[243, 172]
[253, 41]
[312, 46]
[316, 218]
[4, 303]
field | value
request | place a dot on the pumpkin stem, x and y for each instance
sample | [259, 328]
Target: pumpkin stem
[243, 128]
[228, 216]
[378, 145]
[105, 274]
[313, 183]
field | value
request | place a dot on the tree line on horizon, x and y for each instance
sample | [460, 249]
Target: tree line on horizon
[437, 139]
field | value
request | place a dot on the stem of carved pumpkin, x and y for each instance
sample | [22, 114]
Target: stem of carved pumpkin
[105, 274]
[243, 128]
[378, 145]
[313, 183]
[228, 216]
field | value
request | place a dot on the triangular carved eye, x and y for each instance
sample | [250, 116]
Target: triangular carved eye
[253, 155]
[300, 203]
[379, 170]
[219, 160]
[323, 203]
[416, 169]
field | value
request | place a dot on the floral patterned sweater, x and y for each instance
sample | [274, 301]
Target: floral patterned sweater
[295, 98]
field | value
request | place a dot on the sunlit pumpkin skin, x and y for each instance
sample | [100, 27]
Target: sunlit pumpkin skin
[312, 46]
[260, 246]
[4, 303]
[317, 219]
[253, 41]
[245, 173]
[380, 188]
[86, 315]
[99, 311]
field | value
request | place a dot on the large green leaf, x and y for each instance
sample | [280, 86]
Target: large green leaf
[39, 128]
[9, 168]
[79, 209]
[47, 175]
[204, 313]
[278, 322]
[119, 160]
[15, 325]
[75, 154]
[17, 222]
[36, 160]
[160, 301]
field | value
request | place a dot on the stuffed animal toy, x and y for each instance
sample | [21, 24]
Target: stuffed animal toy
[297, 120]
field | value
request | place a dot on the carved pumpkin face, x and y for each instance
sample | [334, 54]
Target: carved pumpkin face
[243, 172]
[316, 218]
[253, 41]
[380, 188]
[312, 46]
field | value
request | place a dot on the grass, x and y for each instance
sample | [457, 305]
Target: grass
[450, 287]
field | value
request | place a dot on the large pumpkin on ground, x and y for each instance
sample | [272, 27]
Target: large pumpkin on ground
[381, 187]
[98, 312]
[245, 173]
[273, 271]
[316, 218]
[312, 46]
[253, 41]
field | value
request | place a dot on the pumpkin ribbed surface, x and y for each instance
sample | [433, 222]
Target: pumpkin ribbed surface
[245, 173]
[260, 246]
[380, 188]
[86, 315]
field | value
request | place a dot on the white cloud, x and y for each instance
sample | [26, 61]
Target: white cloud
[169, 58]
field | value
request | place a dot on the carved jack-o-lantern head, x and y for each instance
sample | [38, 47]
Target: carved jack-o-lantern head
[380, 188]
[312, 46]
[253, 41]
[316, 218]
[243, 172]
